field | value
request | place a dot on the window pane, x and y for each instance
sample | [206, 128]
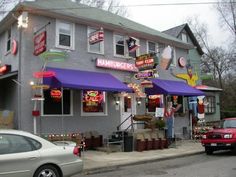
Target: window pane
[120, 50]
[120, 45]
[53, 106]
[97, 47]
[64, 40]
[15, 144]
[93, 101]
[151, 47]
[65, 28]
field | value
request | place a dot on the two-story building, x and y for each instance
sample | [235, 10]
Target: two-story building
[84, 55]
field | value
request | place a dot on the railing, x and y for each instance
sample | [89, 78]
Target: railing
[131, 125]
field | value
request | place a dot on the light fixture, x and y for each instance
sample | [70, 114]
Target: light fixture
[138, 101]
[31, 83]
[117, 99]
[23, 20]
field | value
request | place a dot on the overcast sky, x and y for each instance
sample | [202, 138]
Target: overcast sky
[162, 17]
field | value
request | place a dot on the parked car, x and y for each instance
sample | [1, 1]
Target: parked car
[65, 143]
[23, 154]
[221, 138]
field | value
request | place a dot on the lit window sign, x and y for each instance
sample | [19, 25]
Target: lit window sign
[5, 69]
[117, 65]
[93, 101]
[56, 93]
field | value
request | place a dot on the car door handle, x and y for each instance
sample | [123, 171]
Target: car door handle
[32, 158]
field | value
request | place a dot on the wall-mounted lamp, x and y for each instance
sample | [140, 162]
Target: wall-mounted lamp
[23, 20]
[138, 101]
[117, 100]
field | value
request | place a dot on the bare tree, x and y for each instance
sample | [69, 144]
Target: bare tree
[227, 12]
[113, 6]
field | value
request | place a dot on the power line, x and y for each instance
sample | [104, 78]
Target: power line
[134, 5]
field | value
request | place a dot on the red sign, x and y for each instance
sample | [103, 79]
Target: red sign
[5, 69]
[117, 65]
[14, 47]
[56, 94]
[96, 36]
[144, 62]
[182, 62]
[40, 43]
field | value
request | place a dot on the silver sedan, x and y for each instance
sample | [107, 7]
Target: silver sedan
[23, 154]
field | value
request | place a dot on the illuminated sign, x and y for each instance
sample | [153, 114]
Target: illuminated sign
[5, 69]
[117, 65]
[182, 62]
[96, 36]
[147, 84]
[56, 94]
[40, 43]
[42, 74]
[144, 75]
[146, 61]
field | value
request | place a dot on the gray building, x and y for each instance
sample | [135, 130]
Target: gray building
[96, 64]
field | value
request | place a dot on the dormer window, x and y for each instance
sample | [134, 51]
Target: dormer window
[184, 37]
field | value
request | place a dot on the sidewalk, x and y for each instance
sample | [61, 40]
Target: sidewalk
[97, 161]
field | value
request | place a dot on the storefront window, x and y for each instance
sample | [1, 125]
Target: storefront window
[177, 100]
[53, 106]
[93, 103]
[153, 102]
[210, 107]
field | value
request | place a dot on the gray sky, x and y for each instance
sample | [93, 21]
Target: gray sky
[162, 17]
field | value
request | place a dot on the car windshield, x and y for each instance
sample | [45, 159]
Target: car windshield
[229, 123]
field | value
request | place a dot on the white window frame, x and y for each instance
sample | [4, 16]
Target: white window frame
[59, 115]
[8, 39]
[100, 43]
[156, 46]
[184, 37]
[72, 35]
[99, 114]
[126, 52]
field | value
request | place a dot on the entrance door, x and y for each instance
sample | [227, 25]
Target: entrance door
[128, 107]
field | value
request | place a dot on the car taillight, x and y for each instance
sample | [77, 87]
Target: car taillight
[204, 136]
[76, 151]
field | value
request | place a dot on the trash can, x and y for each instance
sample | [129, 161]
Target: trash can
[128, 143]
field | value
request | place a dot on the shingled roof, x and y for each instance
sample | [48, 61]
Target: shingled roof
[85, 14]
[176, 31]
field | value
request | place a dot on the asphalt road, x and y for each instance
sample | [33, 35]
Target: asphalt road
[221, 164]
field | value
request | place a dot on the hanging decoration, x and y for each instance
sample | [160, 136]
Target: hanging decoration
[43, 74]
[40, 43]
[53, 56]
[132, 46]
[14, 47]
[96, 36]
[166, 58]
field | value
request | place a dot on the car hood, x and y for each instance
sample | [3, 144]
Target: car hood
[223, 130]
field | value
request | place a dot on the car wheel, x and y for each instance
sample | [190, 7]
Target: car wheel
[208, 151]
[47, 171]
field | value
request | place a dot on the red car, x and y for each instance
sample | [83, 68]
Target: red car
[221, 138]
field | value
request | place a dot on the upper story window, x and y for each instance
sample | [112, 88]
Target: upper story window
[8, 48]
[97, 47]
[121, 47]
[65, 35]
[184, 37]
[151, 47]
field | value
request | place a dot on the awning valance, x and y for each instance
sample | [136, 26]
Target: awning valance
[84, 80]
[169, 87]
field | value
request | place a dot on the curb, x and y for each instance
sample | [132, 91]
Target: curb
[109, 168]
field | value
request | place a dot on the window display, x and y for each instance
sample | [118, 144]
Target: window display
[93, 101]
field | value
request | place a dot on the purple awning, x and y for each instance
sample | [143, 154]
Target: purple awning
[169, 87]
[84, 80]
